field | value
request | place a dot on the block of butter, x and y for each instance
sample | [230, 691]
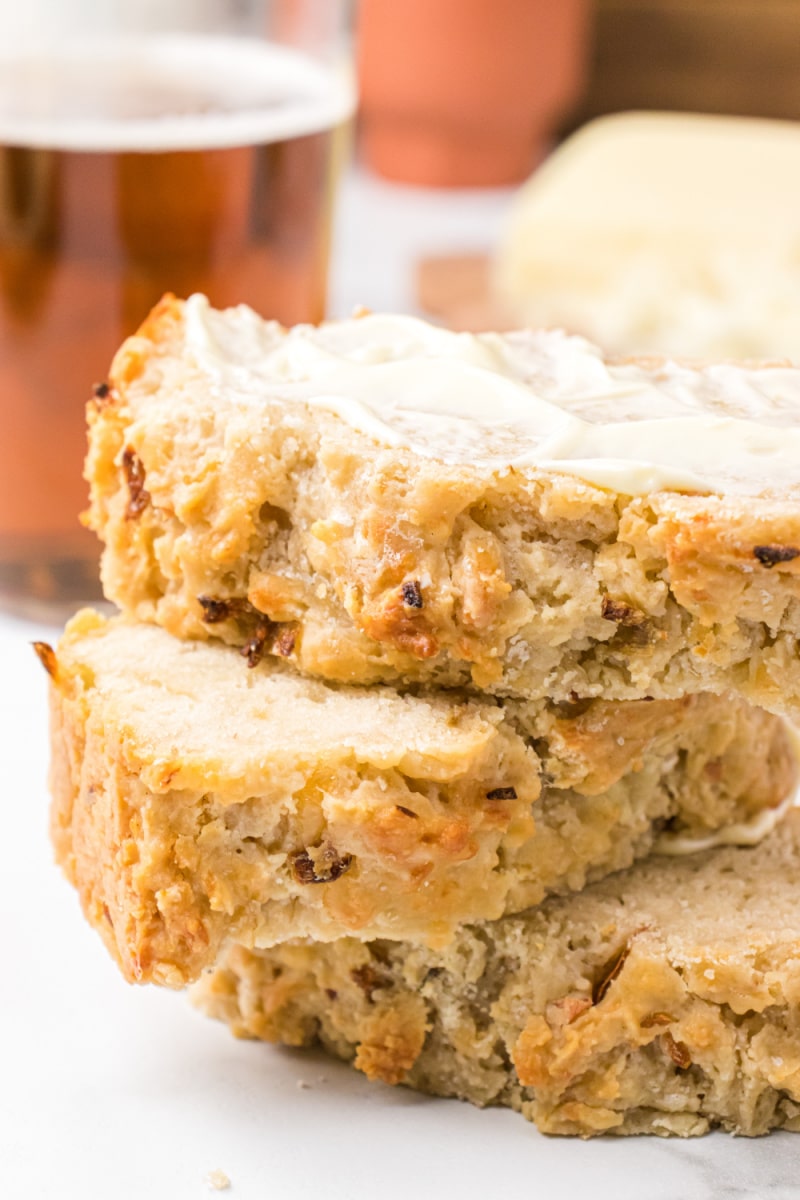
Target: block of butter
[677, 234]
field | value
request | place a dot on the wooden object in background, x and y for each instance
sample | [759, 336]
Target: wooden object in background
[454, 290]
[716, 56]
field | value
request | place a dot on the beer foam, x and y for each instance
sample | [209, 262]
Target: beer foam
[167, 92]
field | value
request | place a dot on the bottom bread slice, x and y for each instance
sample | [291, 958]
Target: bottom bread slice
[664, 999]
[196, 801]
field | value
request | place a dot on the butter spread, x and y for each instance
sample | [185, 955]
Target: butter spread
[538, 400]
[741, 833]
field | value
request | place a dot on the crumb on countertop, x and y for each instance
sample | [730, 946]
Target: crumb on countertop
[217, 1180]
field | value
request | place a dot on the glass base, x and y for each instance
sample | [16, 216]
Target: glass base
[42, 583]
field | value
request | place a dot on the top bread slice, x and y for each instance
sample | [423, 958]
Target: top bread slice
[286, 529]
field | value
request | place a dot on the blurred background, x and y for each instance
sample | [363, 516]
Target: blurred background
[716, 56]
[676, 236]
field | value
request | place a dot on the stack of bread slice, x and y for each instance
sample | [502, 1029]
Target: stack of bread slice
[446, 720]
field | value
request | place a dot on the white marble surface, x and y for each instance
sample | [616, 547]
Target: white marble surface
[116, 1093]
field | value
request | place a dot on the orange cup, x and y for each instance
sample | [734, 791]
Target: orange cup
[460, 93]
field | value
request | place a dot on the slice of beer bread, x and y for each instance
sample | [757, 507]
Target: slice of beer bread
[195, 801]
[665, 999]
[237, 498]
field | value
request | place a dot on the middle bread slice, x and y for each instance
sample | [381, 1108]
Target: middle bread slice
[196, 801]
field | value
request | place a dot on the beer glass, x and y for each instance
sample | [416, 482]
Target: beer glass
[144, 147]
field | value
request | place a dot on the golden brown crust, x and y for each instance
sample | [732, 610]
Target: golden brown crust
[523, 577]
[662, 1000]
[194, 801]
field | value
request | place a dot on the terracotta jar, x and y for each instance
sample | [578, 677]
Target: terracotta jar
[466, 92]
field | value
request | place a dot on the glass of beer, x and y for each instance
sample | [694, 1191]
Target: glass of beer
[144, 148]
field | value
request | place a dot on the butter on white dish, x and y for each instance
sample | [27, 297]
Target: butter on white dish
[663, 232]
[529, 400]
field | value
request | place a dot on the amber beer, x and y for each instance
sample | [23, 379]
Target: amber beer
[127, 170]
